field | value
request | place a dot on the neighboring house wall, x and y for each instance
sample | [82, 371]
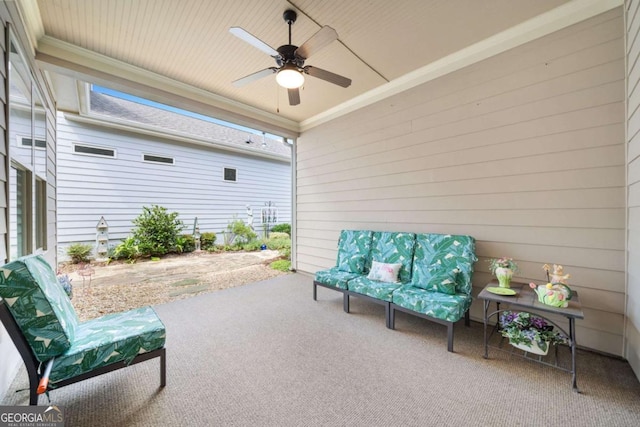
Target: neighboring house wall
[44, 166]
[524, 151]
[632, 331]
[117, 188]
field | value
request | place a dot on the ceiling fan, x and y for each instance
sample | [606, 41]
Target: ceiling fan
[290, 59]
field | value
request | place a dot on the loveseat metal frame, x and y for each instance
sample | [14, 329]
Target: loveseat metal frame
[33, 365]
[390, 310]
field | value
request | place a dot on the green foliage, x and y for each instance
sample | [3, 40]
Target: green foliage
[281, 265]
[279, 243]
[79, 252]
[285, 253]
[185, 243]
[127, 249]
[282, 228]
[240, 233]
[282, 244]
[278, 235]
[252, 246]
[157, 230]
[208, 241]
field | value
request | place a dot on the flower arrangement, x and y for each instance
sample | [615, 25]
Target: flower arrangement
[502, 263]
[524, 328]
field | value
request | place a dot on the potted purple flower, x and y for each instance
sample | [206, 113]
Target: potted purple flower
[528, 332]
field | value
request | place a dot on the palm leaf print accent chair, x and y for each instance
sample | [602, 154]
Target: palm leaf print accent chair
[55, 345]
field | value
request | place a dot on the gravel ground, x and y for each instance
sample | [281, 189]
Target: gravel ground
[100, 289]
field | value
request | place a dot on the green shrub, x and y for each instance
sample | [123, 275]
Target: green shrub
[278, 235]
[240, 232]
[252, 246]
[127, 249]
[277, 244]
[185, 243]
[208, 241]
[285, 253]
[79, 252]
[282, 228]
[281, 265]
[157, 230]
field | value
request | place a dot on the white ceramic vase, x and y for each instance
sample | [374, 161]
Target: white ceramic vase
[504, 276]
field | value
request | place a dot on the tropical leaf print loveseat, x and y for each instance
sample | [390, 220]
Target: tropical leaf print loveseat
[55, 345]
[427, 275]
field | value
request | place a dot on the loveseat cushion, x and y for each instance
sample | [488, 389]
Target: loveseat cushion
[39, 305]
[393, 248]
[353, 251]
[435, 304]
[444, 254]
[379, 290]
[334, 277]
[109, 339]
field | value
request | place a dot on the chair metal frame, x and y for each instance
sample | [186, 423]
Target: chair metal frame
[33, 365]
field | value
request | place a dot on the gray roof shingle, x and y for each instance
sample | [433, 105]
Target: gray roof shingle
[137, 113]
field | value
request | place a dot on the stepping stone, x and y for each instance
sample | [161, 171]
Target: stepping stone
[185, 282]
[190, 290]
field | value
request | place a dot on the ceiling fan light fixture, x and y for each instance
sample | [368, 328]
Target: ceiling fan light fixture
[289, 77]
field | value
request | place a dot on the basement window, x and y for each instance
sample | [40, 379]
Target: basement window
[28, 142]
[89, 150]
[230, 174]
[152, 158]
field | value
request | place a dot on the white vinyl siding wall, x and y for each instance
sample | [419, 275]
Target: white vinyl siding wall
[632, 332]
[117, 188]
[524, 151]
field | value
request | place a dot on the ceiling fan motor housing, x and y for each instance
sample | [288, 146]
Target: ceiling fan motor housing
[287, 56]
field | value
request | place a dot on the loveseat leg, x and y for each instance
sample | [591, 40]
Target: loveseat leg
[345, 302]
[315, 291]
[387, 315]
[467, 319]
[391, 318]
[163, 368]
[450, 337]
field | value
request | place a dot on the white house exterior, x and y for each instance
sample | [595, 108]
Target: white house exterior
[124, 155]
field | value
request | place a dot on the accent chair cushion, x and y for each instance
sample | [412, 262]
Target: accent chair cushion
[354, 247]
[109, 339]
[39, 305]
[444, 281]
[334, 277]
[382, 272]
[379, 290]
[438, 253]
[435, 304]
[394, 248]
[351, 263]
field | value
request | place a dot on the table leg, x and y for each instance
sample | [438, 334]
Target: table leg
[486, 344]
[572, 334]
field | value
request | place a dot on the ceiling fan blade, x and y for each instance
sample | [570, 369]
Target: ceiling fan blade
[255, 76]
[328, 76]
[294, 96]
[253, 41]
[316, 42]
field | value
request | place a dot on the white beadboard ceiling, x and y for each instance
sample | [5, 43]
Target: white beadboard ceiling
[188, 41]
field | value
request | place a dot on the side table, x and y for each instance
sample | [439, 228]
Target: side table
[527, 300]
